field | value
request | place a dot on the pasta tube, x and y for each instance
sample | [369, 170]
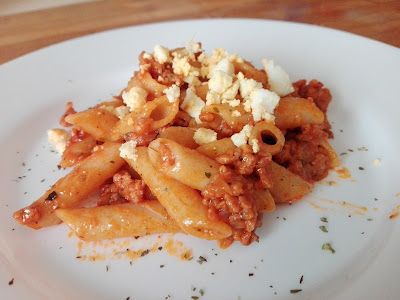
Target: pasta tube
[182, 203]
[185, 165]
[118, 221]
[71, 190]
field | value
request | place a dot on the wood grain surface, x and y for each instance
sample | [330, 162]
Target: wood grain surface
[25, 32]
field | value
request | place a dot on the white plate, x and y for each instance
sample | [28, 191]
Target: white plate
[364, 78]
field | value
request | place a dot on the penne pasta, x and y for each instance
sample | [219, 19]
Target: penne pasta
[294, 112]
[71, 190]
[182, 203]
[181, 135]
[97, 122]
[183, 164]
[270, 138]
[118, 221]
[216, 148]
[265, 201]
[287, 187]
[159, 113]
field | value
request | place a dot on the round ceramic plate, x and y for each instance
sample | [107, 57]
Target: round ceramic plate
[357, 204]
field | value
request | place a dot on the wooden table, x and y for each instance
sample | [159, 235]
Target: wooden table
[26, 32]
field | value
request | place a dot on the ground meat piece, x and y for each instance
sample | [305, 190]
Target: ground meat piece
[109, 195]
[265, 181]
[229, 198]
[79, 146]
[320, 95]
[130, 189]
[303, 155]
[182, 119]
[216, 123]
[315, 89]
[69, 110]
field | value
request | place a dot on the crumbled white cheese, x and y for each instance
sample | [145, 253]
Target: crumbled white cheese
[246, 86]
[192, 47]
[232, 91]
[202, 57]
[128, 150]
[173, 93]
[278, 79]
[181, 65]
[58, 137]
[225, 66]
[212, 99]
[135, 98]
[121, 111]
[192, 80]
[263, 103]
[144, 68]
[204, 136]
[161, 54]
[147, 56]
[232, 103]
[241, 138]
[255, 145]
[219, 82]
[192, 104]
[108, 108]
[236, 113]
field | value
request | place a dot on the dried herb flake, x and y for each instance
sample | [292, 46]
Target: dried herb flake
[323, 228]
[208, 175]
[52, 196]
[201, 260]
[295, 291]
[324, 219]
[328, 246]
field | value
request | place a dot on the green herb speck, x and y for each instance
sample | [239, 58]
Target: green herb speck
[328, 246]
[323, 228]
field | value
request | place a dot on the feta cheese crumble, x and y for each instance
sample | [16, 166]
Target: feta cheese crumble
[58, 137]
[255, 145]
[278, 79]
[204, 136]
[263, 103]
[192, 104]
[135, 98]
[241, 138]
[161, 54]
[128, 150]
[172, 93]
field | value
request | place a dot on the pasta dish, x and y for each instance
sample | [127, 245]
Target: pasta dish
[195, 143]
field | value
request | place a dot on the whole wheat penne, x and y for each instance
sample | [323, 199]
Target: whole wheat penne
[294, 112]
[185, 165]
[181, 135]
[286, 186]
[71, 190]
[182, 203]
[98, 122]
[118, 221]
